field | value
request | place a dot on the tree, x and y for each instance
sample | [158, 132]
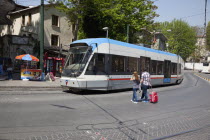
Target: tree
[181, 37]
[208, 36]
[92, 15]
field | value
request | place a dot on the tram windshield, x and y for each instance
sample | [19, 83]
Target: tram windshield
[76, 60]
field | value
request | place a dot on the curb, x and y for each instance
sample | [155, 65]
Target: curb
[207, 79]
[28, 87]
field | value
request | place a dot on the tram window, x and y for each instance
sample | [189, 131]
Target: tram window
[101, 63]
[96, 65]
[179, 68]
[153, 67]
[159, 67]
[145, 63]
[91, 69]
[118, 63]
[132, 64]
[173, 68]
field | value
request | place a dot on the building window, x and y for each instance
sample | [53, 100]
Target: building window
[73, 27]
[23, 19]
[54, 40]
[29, 19]
[55, 21]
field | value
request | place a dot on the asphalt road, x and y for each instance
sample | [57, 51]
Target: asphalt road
[183, 112]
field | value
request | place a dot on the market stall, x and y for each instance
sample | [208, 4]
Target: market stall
[28, 67]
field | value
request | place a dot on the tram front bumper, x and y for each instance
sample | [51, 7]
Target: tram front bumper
[72, 83]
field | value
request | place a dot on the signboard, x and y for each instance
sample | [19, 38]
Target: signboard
[166, 80]
[19, 40]
[32, 74]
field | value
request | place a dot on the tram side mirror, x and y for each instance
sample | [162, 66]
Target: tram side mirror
[94, 45]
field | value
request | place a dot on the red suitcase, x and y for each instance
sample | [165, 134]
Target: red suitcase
[153, 97]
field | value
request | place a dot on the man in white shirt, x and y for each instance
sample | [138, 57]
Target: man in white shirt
[145, 83]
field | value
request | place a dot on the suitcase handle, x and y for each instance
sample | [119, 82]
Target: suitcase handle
[151, 89]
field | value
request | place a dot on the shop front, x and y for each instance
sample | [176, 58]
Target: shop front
[54, 62]
[54, 65]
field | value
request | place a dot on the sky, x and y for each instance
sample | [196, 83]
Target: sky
[191, 11]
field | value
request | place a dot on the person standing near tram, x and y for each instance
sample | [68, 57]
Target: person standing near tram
[136, 81]
[145, 84]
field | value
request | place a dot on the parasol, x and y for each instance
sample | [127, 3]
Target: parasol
[27, 57]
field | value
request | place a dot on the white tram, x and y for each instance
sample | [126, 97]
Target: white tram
[106, 64]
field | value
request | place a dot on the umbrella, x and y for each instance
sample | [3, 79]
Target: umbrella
[27, 57]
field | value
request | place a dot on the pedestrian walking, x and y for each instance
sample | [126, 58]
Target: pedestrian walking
[136, 81]
[145, 83]
[9, 71]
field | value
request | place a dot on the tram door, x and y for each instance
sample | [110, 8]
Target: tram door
[167, 71]
[97, 71]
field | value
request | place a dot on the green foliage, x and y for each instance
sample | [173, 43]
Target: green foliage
[208, 37]
[93, 15]
[181, 38]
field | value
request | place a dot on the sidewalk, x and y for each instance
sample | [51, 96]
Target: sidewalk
[20, 84]
[203, 76]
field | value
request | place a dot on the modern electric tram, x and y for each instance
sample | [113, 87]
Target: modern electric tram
[106, 64]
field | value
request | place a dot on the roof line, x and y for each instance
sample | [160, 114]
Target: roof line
[19, 11]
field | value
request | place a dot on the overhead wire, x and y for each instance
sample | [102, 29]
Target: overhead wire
[194, 15]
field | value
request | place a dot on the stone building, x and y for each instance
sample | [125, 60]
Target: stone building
[6, 7]
[159, 41]
[22, 36]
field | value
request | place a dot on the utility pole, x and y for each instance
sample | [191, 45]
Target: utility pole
[128, 33]
[41, 34]
[205, 18]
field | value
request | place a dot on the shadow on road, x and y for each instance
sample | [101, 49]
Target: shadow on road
[62, 106]
[98, 92]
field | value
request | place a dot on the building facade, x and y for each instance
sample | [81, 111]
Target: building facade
[26, 27]
[201, 47]
[159, 41]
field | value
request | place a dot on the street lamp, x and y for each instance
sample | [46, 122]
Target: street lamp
[107, 31]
